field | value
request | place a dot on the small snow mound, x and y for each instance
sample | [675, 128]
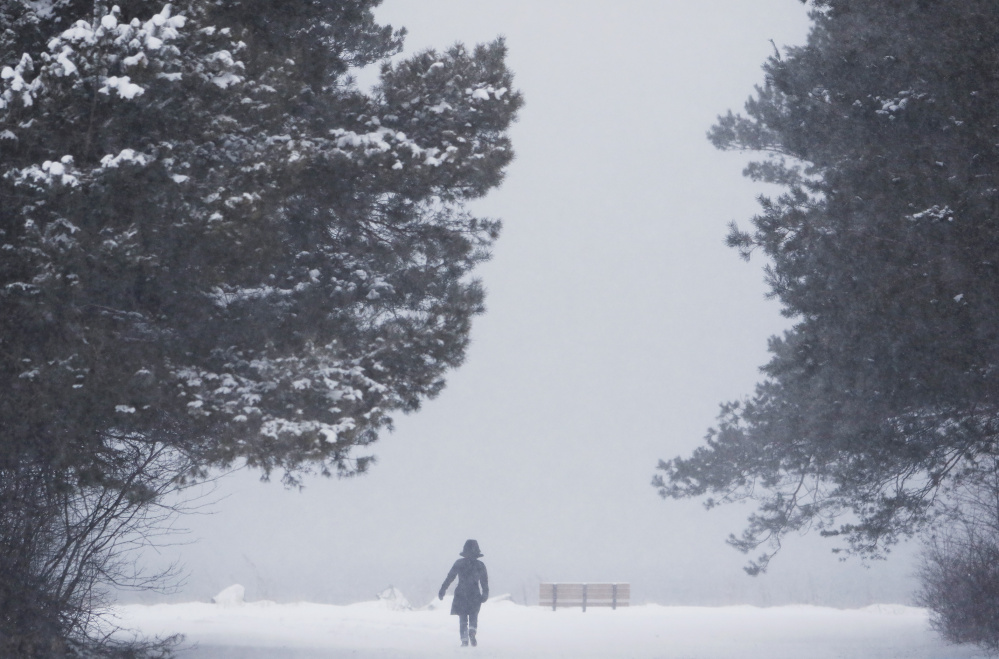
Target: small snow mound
[505, 597]
[393, 599]
[231, 596]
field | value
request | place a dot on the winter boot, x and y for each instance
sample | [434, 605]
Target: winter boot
[471, 636]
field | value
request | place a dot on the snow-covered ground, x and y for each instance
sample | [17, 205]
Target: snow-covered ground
[232, 629]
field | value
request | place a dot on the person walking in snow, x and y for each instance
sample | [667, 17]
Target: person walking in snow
[472, 590]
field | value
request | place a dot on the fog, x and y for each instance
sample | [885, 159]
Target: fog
[617, 322]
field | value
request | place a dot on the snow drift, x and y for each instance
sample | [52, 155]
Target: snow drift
[385, 628]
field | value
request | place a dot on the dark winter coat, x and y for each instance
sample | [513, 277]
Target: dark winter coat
[473, 586]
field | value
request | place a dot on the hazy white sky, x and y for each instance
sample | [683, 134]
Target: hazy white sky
[617, 322]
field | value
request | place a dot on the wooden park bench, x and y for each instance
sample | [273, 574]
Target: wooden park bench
[584, 594]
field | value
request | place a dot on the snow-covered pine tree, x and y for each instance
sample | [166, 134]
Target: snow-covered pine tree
[213, 241]
[218, 245]
[882, 250]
